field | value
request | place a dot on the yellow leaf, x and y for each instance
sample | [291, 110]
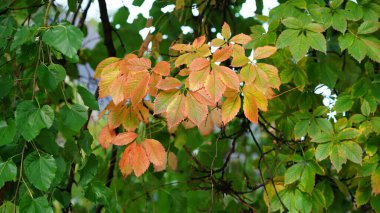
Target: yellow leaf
[176, 111]
[230, 108]
[226, 31]
[198, 78]
[375, 181]
[116, 116]
[271, 73]
[108, 76]
[264, 52]
[136, 86]
[241, 39]
[130, 121]
[247, 73]
[116, 89]
[239, 61]
[162, 101]
[105, 63]
[217, 42]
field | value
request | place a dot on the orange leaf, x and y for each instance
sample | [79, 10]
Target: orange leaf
[222, 54]
[153, 81]
[226, 31]
[141, 112]
[264, 52]
[108, 76]
[176, 110]
[214, 87]
[124, 138]
[199, 41]
[138, 64]
[375, 181]
[184, 72]
[162, 68]
[103, 64]
[155, 151]
[162, 101]
[169, 83]
[250, 106]
[198, 78]
[136, 86]
[203, 97]
[116, 116]
[199, 64]
[172, 161]
[130, 121]
[125, 163]
[117, 89]
[106, 135]
[230, 108]
[196, 111]
[228, 76]
[217, 42]
[139, 159]
[247, 73]
[241, 39]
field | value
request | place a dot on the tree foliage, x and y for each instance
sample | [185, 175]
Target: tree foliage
[267, 113]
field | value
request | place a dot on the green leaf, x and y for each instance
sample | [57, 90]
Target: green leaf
[336, 3]
[352, 151]
[324, 125]
[323, 151]
[339, 21]
[301, 128]
[316, 40]
[348, 133]
[363, 194]
[375, 123]
[67, 39]
[36, 205]
[354, 11]
[343, 103]
[307, 180]
[303, 202]
[30, 120]
[7, 131]
[346, 41]
[293, 173]
[8, 172]
[74, 117]
[357, 118]
[338, 157]
[72, 5]
[373, 48]
[375, 203]
[98, 192]
[292, 23]
[138, 3]
[22, 36]
[40, 170]
[49, 77]
[360, 88]
[287, 37]
[368, 27]
[322, 138]
[358, 49]
[89, 171]
[299, 47]
[365, 108]
[88, 98]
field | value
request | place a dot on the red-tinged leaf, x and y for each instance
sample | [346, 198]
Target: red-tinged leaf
[203, 97]
[106, 135]
[250, 108]
[108, 76]
[217, 42]
[230, 108]
[207, 126]
[176, 111]
[198, 42]
[105, 63]
[216, 116]
[138, 64]
[184, 72]
[228, 76]
[199, 64]
[214, 87]
[116, 116]
[139, 159]
[239, 60]
[172, 161]
[247, 73]
[130, 120]
[155, 151]
[117, 89]
[264, 52]
[226, 31]
[162, 68]
[272, 74]
[222, 54]
[141, 112]
[169, 83]
[124, 138]
[375, 181]
[241, 39]
[181, 47]
[153, 81]
[196, 111]
[137, 86]
[162, 101]
[125, 163]
[198, 78]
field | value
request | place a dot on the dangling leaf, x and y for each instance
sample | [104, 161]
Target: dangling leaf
[155, 151]
[250, 105]
[230, 108]
[214, 87]
[229, 77]
[124, 138]
[196, 112]
[140, 161]
[162, 101]
[222, 54]
[106, 135]
[176, 111]
[162, 68]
